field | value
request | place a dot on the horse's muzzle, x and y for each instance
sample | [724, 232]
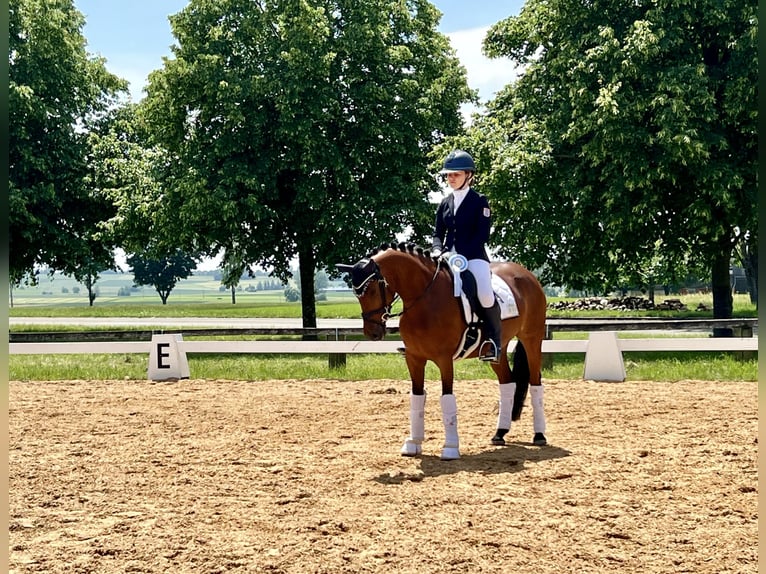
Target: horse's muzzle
[374, 331]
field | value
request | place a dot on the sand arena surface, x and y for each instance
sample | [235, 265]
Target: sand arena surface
[306, 477]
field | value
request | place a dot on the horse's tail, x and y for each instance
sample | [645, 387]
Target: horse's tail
[520, 375]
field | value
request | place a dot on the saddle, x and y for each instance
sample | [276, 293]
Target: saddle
[465, 288]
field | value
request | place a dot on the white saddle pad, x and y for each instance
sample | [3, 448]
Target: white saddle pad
[505, 299]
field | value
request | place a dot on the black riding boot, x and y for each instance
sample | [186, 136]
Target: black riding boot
[490, 348]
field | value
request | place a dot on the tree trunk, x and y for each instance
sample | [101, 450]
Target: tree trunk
[750, 263]
[89, 285]
[723, 303]
[233, 295]
[10, 289]
[306, 263]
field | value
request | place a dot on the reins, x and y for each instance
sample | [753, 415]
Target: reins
[385, 308]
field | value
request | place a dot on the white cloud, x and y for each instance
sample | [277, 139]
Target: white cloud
[486, 75]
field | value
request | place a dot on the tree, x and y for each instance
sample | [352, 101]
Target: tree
[128, 170]
[301, 128]
[232, 271]
[630, 134]
[320, 283]
[88, 274]
[161, 272]
[56, 90]
[292, 294]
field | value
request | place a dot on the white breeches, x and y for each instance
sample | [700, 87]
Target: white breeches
[480, 270]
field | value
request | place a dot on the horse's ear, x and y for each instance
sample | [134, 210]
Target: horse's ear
[344, 267]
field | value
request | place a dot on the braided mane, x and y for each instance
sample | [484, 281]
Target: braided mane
[410, 248]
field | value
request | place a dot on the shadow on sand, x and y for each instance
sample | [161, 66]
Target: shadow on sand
[510, 458]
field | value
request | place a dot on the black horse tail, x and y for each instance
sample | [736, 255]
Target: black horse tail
[520, 375]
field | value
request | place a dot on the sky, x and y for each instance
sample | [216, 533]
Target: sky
[134, 36]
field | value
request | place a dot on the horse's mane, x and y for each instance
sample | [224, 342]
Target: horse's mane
[412, 249]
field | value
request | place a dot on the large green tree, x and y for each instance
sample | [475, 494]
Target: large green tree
[300, 128]
[162, 272]
[55, 91]
[630, 138]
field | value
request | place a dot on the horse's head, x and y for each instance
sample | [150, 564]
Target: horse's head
[370, 287]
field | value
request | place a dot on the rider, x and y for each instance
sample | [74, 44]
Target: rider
[463, 222]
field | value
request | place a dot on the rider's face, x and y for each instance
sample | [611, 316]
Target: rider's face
[456, 180]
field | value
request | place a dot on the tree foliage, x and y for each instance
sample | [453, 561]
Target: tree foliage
[630, 138]
[161, 272]
[55, 91]
[128, 172]
[300, 128]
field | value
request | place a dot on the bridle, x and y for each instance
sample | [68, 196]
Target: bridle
[385, 307]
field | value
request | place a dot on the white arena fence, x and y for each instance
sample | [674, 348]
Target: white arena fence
[603, 349]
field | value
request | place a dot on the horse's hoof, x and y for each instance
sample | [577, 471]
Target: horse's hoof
[411, 448]
[450, 453]
[539, 439]
[498, 439]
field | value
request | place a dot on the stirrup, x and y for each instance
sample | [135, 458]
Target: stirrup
[492, 355]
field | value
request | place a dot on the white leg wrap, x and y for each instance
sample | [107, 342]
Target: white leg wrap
[413, 446]
[451, 449]
[506, 405]
[537, 392]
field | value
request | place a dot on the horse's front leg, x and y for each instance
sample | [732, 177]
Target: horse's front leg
[413, 445]
[451, 448]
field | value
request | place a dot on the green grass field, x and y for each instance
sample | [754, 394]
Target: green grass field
[639, 366]
[199, 296]
[59, 290]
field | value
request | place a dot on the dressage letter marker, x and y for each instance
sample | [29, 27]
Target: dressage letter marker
[166, 360]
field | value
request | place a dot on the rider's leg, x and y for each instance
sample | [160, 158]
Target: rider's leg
[490, 348]
[490, 310]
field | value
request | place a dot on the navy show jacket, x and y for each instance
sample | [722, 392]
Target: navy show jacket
[467, 231]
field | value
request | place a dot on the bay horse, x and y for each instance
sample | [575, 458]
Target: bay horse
[432, 325]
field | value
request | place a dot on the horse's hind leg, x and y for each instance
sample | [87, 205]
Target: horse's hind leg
[507, 390]
[536, 393]
[536, 390]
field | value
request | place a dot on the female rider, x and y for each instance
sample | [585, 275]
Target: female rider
[463, 223]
